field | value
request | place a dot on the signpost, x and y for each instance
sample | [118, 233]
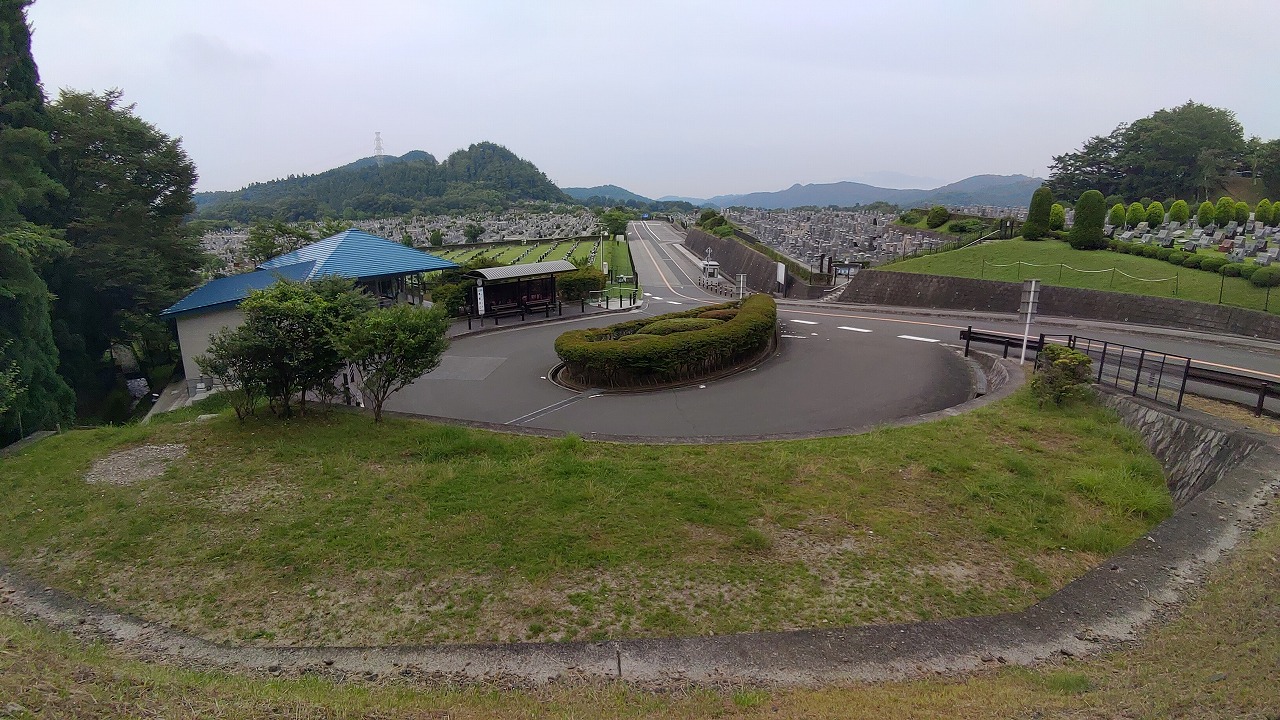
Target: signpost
[1027, 311]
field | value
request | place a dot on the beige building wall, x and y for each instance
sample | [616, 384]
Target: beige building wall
[195, 330]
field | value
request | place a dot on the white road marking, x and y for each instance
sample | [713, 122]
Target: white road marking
[803, 322]
[673, 302]
[913, 337]
[853, 329]
[797, 337]
[655, 297]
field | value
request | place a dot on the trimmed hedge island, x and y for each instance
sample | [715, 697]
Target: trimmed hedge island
[674, 348]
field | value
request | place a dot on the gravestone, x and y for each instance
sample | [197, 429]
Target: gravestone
[1263, 260]
[1197, 234]
[1127, 235]
[1189, 246]
[1236, 255]
[1147, 238]
[1142, 228]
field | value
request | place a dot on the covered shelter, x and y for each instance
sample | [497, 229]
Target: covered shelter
[385, 269]
[517, 289]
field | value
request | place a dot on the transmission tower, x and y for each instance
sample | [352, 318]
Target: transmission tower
[377, 147]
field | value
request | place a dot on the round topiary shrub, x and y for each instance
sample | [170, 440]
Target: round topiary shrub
[719, 314]
[1213, 263]
[1247, 270]
[1231, 269]
[1174, 256]
[676, 325]
[939, 215]
[1164, 253]
[1150, 251]
[1266, 276]
[620, 356]
[1193, 261]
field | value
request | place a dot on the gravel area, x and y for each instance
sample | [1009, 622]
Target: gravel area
[126, 467]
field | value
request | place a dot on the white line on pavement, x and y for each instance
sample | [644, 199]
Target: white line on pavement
[854, 329]
[803, 322]
[673, 302]
[913, 337]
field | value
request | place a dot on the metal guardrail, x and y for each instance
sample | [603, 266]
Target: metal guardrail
[1158, 376]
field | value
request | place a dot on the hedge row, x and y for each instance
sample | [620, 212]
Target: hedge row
[622, 355]
[1269, 277]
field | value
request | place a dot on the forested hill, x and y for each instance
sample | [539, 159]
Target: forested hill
[484, 176]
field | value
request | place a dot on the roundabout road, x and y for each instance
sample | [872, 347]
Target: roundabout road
[823, 378]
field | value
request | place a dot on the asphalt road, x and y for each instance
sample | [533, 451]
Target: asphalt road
[838, 366]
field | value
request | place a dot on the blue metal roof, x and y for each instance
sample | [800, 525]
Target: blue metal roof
[230, 290]
[356, 254]
[350, 254]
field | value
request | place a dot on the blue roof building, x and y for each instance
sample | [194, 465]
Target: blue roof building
[380, 266]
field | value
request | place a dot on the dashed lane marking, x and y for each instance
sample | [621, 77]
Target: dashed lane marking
[803, 322]
[853, 329]
[913, 337]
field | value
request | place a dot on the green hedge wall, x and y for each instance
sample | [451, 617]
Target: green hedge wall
[617, 356]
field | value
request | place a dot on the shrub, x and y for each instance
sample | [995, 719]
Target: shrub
[599, 357]
[451, 296]
[1137, 213]
[675, 325]
[938, 216]
[1213, 263]
[911, 217]
[719, 314]
[1266, 276]
[1151, 251]
[1117, 216]
[1242, 213]
[968, 225]
[1057, 217]
[1193, 261]
[1174, 256]
[1164, 253]
[1037, 225]
[1086, 232]
[1230, 269]
[1180, 212]
[578, 284]
[1247, 270]
[1155, 213]
[1225, 211]
[1264, 211]
[1204, 216]
[1062, 374]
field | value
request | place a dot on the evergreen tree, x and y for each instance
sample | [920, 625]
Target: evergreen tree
[1137, 214]
[1037, 225]
[1155, 213]
[1180, 212]
[1242, 213]
[1225, 211]
[1264, 211]
[1117, 216]
[1057, 217]
[1204, 216]
[1086, 231]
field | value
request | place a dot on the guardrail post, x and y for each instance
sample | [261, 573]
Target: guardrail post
[1102, 361]
[968, 337]
[1262, 399]
[1137, 376]
[1183, 390]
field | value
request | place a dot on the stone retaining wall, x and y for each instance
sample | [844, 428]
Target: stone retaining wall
[880, 287]
[737, 259]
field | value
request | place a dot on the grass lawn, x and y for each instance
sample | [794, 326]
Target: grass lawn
[331, 530]
[1070, 268]
[1217, 659]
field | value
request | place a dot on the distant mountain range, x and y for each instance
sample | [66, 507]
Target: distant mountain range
[999, 190]
[609, 193]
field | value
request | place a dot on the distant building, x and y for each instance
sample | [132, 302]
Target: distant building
[385, 269]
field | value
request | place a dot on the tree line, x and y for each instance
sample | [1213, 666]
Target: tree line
[92, 241]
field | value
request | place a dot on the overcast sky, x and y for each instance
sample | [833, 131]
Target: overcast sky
[663, 98]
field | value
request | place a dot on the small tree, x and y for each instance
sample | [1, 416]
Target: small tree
[1037, 225]
[1062, 373]
[615, 220]
[1117, 216]
[237, 360]
[406, 240]
[437, 238]
[11, 386]
[472, 232]
[578, 284]
[1086, 231]
[1057, 217]
[391, 347]
[1180, 212]
[1204, 216]
[1242, 213]
[1263, 212]
[1155, 213]
[1137, 214]
[1225, 211]
[939, 215]
[267, 240]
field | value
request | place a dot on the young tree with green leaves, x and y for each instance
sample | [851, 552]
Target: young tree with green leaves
[1057, 218]
[239, 360]
[1155, 213]
[437, 238]
[1086, 231]
[472, 232]
[269, 239]
[1242, 213]
[1180, 212]
[1205, 215]
[615, 220]
[1137, 214]
[1225, 211]
[1263, 212]
[1037, 225]
[1117, 216]
[939, 215]
[392, 347]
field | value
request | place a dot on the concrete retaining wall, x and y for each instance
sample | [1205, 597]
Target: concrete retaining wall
[1195, 454]
[737, 259]
[879, 287]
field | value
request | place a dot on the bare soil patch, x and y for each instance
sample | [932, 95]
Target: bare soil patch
[126, 467]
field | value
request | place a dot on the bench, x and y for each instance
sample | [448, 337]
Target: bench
[542, 306]
[498, 310]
